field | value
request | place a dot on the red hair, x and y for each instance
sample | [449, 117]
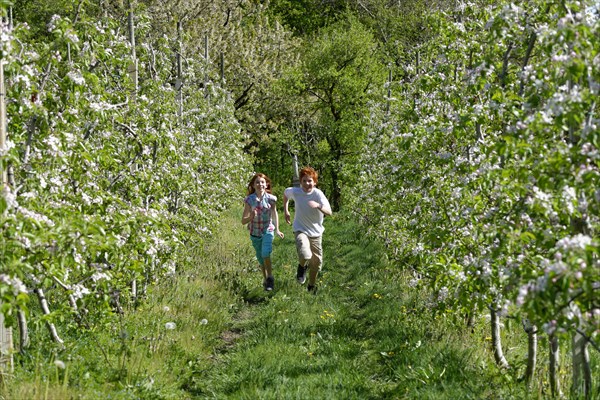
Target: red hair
[254, 178]
[310, 172]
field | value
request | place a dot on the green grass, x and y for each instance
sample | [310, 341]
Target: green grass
[365, 335]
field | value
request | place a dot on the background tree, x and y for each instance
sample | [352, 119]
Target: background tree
[340, 72]
[304, 17]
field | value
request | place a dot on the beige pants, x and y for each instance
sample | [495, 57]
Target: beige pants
[309, 249]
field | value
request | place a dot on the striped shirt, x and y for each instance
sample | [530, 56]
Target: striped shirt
[262, 222]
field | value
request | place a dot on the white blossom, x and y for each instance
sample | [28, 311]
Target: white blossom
[15, 283]
[99, 276]
[8, 145]
[579, 241]
[76, 77]
[9, 197]
[79, 291]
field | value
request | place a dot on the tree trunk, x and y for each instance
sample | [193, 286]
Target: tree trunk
[335, 190]
[554, 382]
[334, 166]
[23, 331]
[582, 373]
[46, 310]
[496, 340]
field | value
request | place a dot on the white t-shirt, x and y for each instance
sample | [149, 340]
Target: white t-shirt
[306, 219]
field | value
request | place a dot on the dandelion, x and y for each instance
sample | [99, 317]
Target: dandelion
[170, 326]
[166, 309]
[59, 364]
[204, 321]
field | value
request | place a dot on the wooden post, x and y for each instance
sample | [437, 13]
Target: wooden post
[179, 79]
[531, 331]
[133, 75]
[6, 337]
[222, 68]
[133, 67]
[206, 92]
[389, 89]
[6, 349]
[296, 177]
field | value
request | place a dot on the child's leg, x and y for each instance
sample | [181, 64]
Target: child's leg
[257, 244]
[316, 261]
[267, 269]
[303, 248]
[267, 249]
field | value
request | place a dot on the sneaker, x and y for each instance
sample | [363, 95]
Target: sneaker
[301, 274]
[269, 283]
[312, 289]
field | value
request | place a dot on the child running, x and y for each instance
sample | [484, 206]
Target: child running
[260, 213]
[311, 205]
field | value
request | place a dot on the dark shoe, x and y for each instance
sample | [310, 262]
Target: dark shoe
[312, 289]
[301, 274]
[269, 283]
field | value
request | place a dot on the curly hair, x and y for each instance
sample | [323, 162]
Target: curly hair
[310, 172]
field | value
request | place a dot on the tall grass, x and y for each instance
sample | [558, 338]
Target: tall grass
[365, 335]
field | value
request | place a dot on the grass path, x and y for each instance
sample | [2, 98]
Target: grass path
[211, 332]
[364, 335]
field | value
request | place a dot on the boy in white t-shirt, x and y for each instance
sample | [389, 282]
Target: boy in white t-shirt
[311, 205]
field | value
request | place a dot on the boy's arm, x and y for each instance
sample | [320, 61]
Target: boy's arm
[321, 205]
[286, 211]
[325, 208]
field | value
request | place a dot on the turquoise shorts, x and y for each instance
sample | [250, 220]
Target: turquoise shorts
[263, 245]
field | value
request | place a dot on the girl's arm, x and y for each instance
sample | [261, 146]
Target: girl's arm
[248, 215]
[275, 218]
